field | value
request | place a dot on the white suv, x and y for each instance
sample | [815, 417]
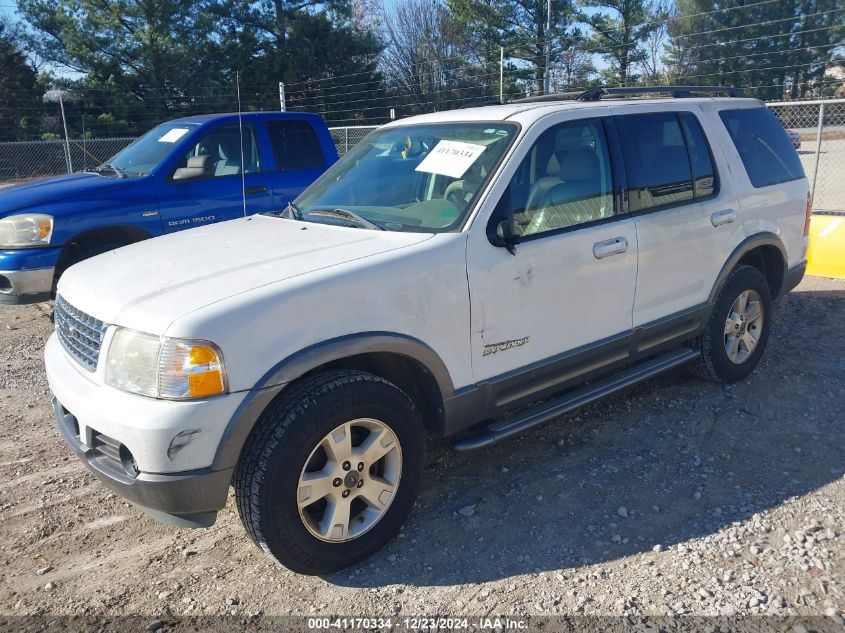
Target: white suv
[470, 273]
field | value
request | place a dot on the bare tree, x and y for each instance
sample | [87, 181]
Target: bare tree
[421, 60]
[651, 63]
[573, 69]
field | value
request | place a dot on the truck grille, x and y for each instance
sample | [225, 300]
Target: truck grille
[80, 334]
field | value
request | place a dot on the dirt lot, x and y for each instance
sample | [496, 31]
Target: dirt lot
[677, 497]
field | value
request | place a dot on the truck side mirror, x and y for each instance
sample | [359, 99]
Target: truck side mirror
[198, 167]
[501, 230]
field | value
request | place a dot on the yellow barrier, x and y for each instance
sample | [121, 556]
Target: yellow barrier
[826, 254]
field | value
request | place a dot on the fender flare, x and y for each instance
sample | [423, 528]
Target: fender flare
[298, 364]
[745, 246]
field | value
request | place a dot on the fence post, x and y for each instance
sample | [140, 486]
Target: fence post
[67, 142]
[818, 150]
[345, 140]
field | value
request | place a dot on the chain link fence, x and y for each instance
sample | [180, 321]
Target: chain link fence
[25, 160]
[345, 138]
[36, 159]
[820, 126]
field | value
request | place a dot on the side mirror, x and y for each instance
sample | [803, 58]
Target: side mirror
[198, 167]
[501, 230]
[506, 232]
[188, 173]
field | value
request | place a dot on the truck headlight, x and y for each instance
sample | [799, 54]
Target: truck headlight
[29, 229]
[161, 367]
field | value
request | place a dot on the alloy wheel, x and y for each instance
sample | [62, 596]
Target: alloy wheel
[743, 326]
[349, 480]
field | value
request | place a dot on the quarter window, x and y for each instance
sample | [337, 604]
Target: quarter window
[656, 160]
[564, 181]
[295, 145]
[763, 145]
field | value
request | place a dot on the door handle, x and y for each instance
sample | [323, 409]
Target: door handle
[613, 246]
[251, 191]
[723, 217]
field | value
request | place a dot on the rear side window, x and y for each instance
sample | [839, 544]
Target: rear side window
[656, 160]
[763, 145]
[703, 173]
[295, 145]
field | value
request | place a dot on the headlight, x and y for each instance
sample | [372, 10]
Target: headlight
[31, 229]
[160, 367]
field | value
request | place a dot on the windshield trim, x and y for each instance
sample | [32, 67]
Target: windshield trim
[483, 190]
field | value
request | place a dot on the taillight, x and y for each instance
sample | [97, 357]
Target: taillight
[809, 213]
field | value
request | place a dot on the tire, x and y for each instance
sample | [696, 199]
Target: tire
[726, 358]
[291, 437]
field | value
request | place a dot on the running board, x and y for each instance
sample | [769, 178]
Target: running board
[546, 411]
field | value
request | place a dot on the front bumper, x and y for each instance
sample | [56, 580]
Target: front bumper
[158, 454]
[189, 499]
[26, 274]
[26, 286]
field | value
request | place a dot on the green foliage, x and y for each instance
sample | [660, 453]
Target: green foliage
[144, 61]
[138, 62]
[620, 31]
[773, 50]
[19, 88]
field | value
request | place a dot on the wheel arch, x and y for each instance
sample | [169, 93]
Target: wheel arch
[403, 360]
[764, 251]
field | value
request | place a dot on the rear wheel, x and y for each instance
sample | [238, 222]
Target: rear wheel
[331, 471]
[736, 335]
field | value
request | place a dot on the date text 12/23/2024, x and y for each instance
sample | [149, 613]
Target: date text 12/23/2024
[418, 624]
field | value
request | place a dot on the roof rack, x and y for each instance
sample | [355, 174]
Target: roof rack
[595, 94]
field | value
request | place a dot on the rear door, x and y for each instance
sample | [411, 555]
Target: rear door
[684, 209]
[221, 193]
[297, 155]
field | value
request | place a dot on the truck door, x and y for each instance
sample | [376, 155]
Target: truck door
[570, 283]
[217, 194]
[298, 156]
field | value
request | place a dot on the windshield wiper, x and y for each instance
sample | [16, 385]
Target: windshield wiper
[346, 214]
[109, 167]
[293, 211]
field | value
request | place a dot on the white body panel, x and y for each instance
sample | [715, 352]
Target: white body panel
[779, 209]
[149, 285]
[554, 291]
[419, 292]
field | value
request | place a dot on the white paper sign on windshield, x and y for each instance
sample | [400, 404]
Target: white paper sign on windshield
[173, 135]
[450, 158]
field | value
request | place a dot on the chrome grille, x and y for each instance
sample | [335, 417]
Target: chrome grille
[80, 334]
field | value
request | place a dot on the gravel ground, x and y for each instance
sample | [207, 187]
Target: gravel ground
[677, 497]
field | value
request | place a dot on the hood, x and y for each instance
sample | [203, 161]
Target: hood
[30, 195]
[148, 285]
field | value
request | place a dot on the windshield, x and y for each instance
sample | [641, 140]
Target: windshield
[142, 156]
[413, 178]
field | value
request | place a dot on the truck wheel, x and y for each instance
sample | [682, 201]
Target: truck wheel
[330, 471]
[735, 337]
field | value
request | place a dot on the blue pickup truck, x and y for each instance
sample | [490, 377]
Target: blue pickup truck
[181, 174]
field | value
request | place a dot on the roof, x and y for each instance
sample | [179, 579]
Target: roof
[528, 113]
[204, 118]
